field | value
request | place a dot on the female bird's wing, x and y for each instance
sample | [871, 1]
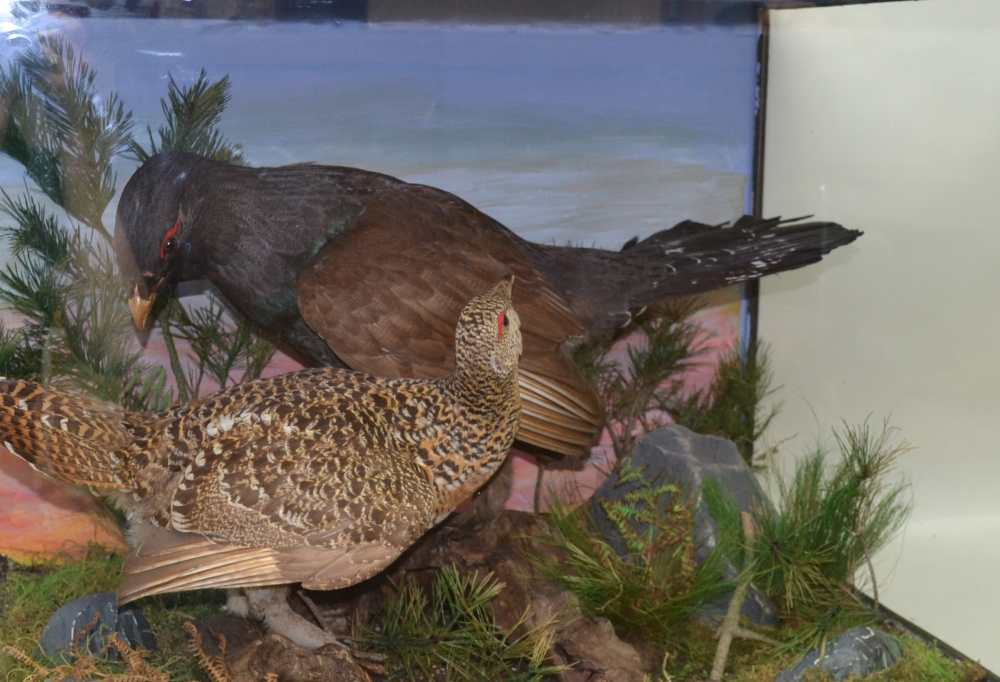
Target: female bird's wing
[386, 293]
[251, 509]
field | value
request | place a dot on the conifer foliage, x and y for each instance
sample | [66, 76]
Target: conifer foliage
[61, 277]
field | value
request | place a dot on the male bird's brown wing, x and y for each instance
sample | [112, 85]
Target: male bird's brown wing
[252, 510]
[386, 294]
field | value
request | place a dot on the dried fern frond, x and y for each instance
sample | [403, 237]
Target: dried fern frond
[215, 666]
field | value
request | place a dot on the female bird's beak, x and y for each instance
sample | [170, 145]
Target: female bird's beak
[140, 306]
[505, 285]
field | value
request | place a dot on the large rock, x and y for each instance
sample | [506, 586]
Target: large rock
[86, 622]
[859, 652]
[678, 455]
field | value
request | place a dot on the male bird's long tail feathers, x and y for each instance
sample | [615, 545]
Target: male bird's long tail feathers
[693, 258]
[71, 438]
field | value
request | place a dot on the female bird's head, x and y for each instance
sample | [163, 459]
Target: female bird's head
[488, 334]
[153, 241]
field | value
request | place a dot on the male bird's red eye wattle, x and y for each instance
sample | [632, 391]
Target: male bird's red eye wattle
[501, 323]
[169, 239]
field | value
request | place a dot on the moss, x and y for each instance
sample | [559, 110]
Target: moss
[30, 595]
[756, 662]
[921, 662]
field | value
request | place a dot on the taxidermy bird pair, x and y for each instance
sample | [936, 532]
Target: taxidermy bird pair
[321, 477]
[325, 476]
[345, 267]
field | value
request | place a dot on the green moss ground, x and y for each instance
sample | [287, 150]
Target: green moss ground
[921, 662]
[29, 596]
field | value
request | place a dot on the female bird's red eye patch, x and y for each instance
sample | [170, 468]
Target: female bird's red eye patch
[168, 237]
[501, 323]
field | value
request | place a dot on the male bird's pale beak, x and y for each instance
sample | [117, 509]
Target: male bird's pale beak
[140, 306]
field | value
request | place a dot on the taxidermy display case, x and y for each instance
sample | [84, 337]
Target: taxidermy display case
[494, 341]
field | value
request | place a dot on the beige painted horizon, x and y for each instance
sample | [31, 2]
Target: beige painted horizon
[883, 117]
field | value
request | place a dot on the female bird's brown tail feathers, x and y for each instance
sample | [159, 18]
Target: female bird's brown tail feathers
[68, 437]
[693, 258]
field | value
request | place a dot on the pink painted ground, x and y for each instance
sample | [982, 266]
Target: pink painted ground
[41, 518]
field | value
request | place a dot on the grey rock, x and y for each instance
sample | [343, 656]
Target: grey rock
[64, 627]
[680, 456]
[859, 652]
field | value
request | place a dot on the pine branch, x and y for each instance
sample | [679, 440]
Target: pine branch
[66, 134]
[191, 119]
[449, 632]
[64, 138]
[20, 354]
[220, 345]
[732, 406]
[24, 138]
[35, 230]
[650, 378]
[69, 290]
[34, 289]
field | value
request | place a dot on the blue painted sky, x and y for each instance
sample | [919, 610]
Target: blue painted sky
[588, 134]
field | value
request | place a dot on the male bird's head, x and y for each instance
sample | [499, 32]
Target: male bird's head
[153, 239]
[488, 334]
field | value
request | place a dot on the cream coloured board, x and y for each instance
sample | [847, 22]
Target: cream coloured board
[886, 117]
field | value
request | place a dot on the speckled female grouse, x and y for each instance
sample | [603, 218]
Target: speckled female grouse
[321, 477]
[341, 266]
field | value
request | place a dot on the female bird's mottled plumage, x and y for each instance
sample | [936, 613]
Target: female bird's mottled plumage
[345, 267]
[322, 477]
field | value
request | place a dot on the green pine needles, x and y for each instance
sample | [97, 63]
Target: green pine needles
[806, 552]
[651, 378]
[451, 634]
[57, 130]
[829, 520]
[191, 122]
[733, 405]
[651, 382]
[62, 276]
